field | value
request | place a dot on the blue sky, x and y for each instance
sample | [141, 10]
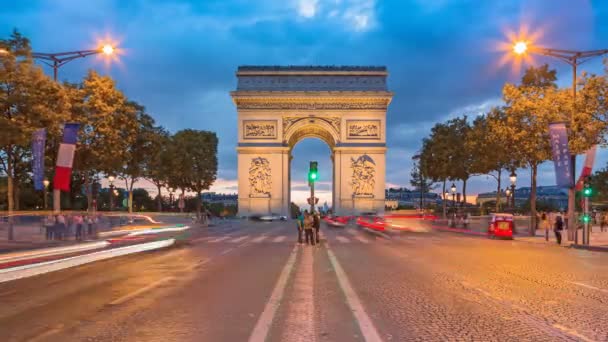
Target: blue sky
[179, 57]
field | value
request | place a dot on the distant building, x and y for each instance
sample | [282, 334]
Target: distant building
[225, 199]
[406, 197]
[554, 195]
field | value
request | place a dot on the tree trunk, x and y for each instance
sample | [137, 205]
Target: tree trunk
[159, 200]
[444, 200]
[87, 186]
[181, 208]
[533, 200]
[464, 191]
[198, 207]
[16, 194]
[498, 191]
[11, 199]
[130, 188]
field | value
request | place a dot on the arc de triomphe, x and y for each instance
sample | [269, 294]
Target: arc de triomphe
[281, 105]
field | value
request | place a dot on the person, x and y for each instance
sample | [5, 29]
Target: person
[78, 226]
[308, 226]
[89, 222]
[317, 225]
[300, 226]
[60, 227]
[559, 226]
[465, 221]
[544, 223]
[49, 225]
[603, 219]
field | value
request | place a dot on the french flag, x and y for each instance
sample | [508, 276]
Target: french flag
[65, 157]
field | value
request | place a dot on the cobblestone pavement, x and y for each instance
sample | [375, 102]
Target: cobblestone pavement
[251, 281]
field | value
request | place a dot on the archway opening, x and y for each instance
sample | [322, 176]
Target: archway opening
[304, 150]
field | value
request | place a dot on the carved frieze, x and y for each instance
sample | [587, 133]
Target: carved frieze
[363, 178]
[312, 103]
[363, 129]
[259, 129]
[260, 178]
[289, 121]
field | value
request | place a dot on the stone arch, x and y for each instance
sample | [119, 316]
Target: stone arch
[311, 127]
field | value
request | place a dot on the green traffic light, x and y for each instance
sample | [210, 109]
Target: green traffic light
[587, 192]
[313, 176]
[586, 218]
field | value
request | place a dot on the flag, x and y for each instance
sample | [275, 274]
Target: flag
[561, 154]
[65, 157]
[587, 167]
[38, 142]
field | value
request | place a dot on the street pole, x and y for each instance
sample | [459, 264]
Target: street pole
[587, 222]
[312, 197]
[111, 197]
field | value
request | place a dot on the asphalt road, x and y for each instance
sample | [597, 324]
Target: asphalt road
[250, 281]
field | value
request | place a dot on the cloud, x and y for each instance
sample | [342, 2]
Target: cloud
[307, 8]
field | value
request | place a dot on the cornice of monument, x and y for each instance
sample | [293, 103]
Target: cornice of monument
[255, 70]
[312, 100]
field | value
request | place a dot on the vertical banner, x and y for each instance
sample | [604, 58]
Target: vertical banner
[65, 157]
[561, 154]
[587, 167]
[38, 143]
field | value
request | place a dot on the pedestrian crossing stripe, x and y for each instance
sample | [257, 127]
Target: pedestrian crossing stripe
[239, 239]
[259, 239]
[342, 239]
[219, 239]
[355, 237]
[280, 238]
[362, 239]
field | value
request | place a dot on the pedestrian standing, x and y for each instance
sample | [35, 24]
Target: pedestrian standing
[544, 223]
[89, 222]
[60, 229]
[49, 226]
[559, 226]
[603, 219]
[78, 226]
[465, 221]
[308, 228]
[300, 226]
[316, 225]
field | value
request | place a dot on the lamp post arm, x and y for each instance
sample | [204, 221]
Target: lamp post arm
[569, 56]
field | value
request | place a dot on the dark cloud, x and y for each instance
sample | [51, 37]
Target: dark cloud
[180, 56]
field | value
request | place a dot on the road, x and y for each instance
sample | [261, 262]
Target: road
[250, 281]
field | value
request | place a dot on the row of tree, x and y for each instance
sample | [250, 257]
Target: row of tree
[515, 135]
[117, 136]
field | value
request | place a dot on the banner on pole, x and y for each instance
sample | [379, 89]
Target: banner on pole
[38, 143]
[561, 154]
[65, 157]
[587, 167]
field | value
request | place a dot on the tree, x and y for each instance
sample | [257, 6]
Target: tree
[107, 127]
[193, 162]
[530, 108]
[140, 148]
[28, 100]
[158, 162]
[420, 181]
[462, 157]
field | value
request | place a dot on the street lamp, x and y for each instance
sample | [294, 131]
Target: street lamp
[59, 59]
[46, 183]
[111, 180]
[574, 59]
[453, 189]
[513, 179]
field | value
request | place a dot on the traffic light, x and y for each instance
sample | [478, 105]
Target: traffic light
[587, 189]
[586, 218]
[313, 174]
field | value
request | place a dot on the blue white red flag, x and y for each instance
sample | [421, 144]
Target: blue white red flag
[65, 157]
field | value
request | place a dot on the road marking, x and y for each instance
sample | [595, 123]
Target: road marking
[259, 239]
[219, 239]
[351, 232]
[239, 239]
[361, 238]
[572, 332]
[262, 327]
[198, 264]
[365, 323]
[280, 238]
[227, 251]
[588, 286]
[342, 239]
[140, 291]
[300, 318]
[52, 331]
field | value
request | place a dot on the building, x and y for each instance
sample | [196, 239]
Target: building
[406, 197]
[553, 195]
[225, 199]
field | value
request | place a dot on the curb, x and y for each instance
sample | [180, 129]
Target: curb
[589, 248]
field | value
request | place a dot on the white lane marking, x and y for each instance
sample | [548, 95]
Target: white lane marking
[262, 327]
[47, 333]
[342, 239]
[365, 323]
[573, 333]
[588, 286]
[300, 320]
[227, 251]
[239, 239]
[140, 291]
[219, 239]
[361, 238]
[280, 238]
[259, 239]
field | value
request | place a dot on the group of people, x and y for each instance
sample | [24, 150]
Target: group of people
[309, 224]
[61, 227]
[559, 221]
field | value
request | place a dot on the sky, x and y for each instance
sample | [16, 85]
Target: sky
[178, 58]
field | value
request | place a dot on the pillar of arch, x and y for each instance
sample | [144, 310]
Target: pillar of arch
[343, 106]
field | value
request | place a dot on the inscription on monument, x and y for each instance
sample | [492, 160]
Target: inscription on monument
[364, 176]
[363, 129]
[260, 129]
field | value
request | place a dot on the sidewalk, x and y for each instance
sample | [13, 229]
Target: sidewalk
[598, 241]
